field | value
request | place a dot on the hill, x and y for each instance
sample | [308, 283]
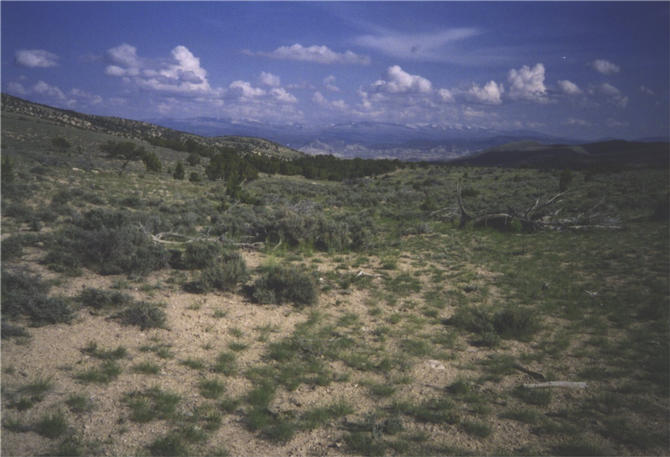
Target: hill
[614, 153]
[143, 130]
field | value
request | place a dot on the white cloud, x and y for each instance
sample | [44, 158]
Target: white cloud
[244, 89]
[577, 122]
[645, 90]
[16, 88]
[614, 95]
[36, 58]
[320, 100]
[329, 83]
[528, 83]
[85, 97]
[317, 54]
[472, 113]
[568, 87]
[613, 123]
[491, 93]
[446, 95]
[605, 66]
[281, 95]
[124, 56]
[114, 70]
[426, 46]
[181, 73]
[396, 80]
[269, 79]
[609, 89]
[43, 88]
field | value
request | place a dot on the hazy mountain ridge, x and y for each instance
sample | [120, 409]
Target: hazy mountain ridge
[616, 153]
[142, 130]
[367, 139]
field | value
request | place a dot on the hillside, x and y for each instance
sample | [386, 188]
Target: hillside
[144, 314]
[142, 130]
[615, 153]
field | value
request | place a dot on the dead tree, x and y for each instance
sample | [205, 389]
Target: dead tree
[534, 218]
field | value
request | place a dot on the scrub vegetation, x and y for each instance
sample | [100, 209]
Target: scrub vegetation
[327, 307]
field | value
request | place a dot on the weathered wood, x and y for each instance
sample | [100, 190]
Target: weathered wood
[566, 384]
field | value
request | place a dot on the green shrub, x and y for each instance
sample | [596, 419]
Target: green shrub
[97, 298]
[104, 354]
[109, 242]
[10, 330]
[144, 315]
[515, 323]
[52, 425]
[565, 180]
[151, 404]
[193, 159]
[60, 143]
[224, 276]
[509, 323]
[26, 294]
[284, 283]
[198, 255]
[108, 371]
[171, 445]
[179, 171]
[11, 248]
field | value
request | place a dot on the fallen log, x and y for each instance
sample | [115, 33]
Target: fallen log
[566, 384]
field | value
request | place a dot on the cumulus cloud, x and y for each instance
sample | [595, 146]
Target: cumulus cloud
[124, 56]
[269, 79]
[85, 97]
[569, 88]
[645, 90]
[528, 83]
[281, 95]
[329, 83]
[613, 94]
[426, 46]
[16, 88]
[605, 66]
[244, 89]
[320, 100]
[577, 122]
[181, 73]
[613, 123]
[491, 93]
[43, 88]
[396, 80]
[36, 58]
[446, 95]
[318, 54]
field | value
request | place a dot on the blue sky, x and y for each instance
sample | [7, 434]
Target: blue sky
[585, 70]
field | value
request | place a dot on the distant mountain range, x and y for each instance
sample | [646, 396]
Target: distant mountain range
[367, 139]
[470, 146]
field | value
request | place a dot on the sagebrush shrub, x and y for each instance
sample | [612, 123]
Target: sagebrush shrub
[516, 323]
[26, 294]
[285, 284]
[144, 315]
[97, 298]
[223, 275]
[107, 242]
[198, 255]
[11, 248]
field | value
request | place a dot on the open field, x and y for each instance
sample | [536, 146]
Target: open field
[148, 315]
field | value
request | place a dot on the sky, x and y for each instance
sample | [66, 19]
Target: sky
[578, 70]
